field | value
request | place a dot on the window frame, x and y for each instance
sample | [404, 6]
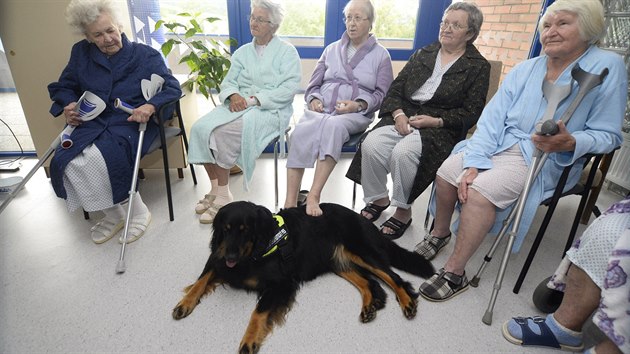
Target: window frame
[427, 26]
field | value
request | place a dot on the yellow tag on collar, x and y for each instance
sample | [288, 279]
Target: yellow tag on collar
[282, 234]
[279, 220]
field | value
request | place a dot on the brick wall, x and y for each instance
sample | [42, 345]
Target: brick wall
[508, 29]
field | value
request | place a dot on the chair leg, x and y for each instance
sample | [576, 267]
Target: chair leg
[181, 124]
[354, 194]
[587, 195]
[541, 231]
[180, 173]
[276, 146]
[167, 177]
[192, 172]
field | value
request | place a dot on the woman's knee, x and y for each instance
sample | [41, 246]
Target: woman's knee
[403, 153]
[479, 200]
[369, 145]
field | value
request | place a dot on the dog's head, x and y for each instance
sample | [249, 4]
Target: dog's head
[240, 230]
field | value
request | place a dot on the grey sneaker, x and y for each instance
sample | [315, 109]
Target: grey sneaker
[431, 245]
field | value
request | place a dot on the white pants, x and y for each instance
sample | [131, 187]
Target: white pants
[225, 143]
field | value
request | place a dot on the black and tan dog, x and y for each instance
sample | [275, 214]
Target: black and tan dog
[254, 250]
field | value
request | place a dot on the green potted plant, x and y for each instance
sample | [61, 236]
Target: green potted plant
[208, 59]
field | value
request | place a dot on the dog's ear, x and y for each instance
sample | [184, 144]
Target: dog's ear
[217, 231]
[265, 225]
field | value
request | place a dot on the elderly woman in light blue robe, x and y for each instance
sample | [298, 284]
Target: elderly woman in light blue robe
[257, 96]
[487, 173]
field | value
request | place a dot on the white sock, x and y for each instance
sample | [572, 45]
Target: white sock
[117, 212]
[138, 207]
[215, 186]
[224, 195]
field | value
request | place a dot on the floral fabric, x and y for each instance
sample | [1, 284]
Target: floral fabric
[611, 275]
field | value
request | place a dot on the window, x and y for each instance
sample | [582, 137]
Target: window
[170, 8]
[395, 25]
[304, 22]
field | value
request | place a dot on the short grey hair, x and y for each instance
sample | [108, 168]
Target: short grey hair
[81, 13]
[367, 6]
[475, 17]
[590, 14]
[276, 12]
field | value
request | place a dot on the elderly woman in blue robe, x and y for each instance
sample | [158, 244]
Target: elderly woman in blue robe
[487, 173]
[95, 172]
[257, 96]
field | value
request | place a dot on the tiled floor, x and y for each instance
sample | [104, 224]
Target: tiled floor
[59, 291]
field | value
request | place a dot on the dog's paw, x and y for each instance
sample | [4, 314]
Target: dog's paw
[411, 309]
[181, 311]
[368, 314]
[249, 348]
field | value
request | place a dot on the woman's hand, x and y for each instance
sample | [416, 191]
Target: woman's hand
[467, 179]
[347, 106]
[316, 105]
[401, 122]
[237, 103]
[424, 121]
[142, 114]
[72, 116]
[562, 141]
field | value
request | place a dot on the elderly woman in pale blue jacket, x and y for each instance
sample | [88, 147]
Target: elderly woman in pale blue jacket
[257, 94]
[487, 173]
[346, 88]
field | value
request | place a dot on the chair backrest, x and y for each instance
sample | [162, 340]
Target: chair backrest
[171, 123]
[166, 118]
[496, 68]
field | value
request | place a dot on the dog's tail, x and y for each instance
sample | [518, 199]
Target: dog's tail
[410, 262]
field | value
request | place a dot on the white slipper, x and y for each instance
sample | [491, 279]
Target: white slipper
[208, 216]
[137, 227]
[204, 203]
[105, 229]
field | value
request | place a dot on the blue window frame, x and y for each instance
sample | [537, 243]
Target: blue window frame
[427, 24]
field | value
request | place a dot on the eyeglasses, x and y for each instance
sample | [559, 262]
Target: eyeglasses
[455, 26]
[258, 20]
[355, 19]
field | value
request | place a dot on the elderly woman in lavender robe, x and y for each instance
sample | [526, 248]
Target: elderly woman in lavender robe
[346, 88]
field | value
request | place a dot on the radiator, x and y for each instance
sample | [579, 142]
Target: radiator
[619, 172]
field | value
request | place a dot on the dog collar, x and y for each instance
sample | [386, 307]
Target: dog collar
[281, 234]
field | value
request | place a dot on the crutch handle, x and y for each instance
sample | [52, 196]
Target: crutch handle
[548, 128]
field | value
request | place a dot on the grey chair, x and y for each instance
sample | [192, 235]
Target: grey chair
[275, 146]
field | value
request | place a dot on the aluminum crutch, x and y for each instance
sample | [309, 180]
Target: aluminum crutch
[554, 94]
[149, 89]
[586, 82]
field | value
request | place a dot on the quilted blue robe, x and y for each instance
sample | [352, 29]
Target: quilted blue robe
[118, 76]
